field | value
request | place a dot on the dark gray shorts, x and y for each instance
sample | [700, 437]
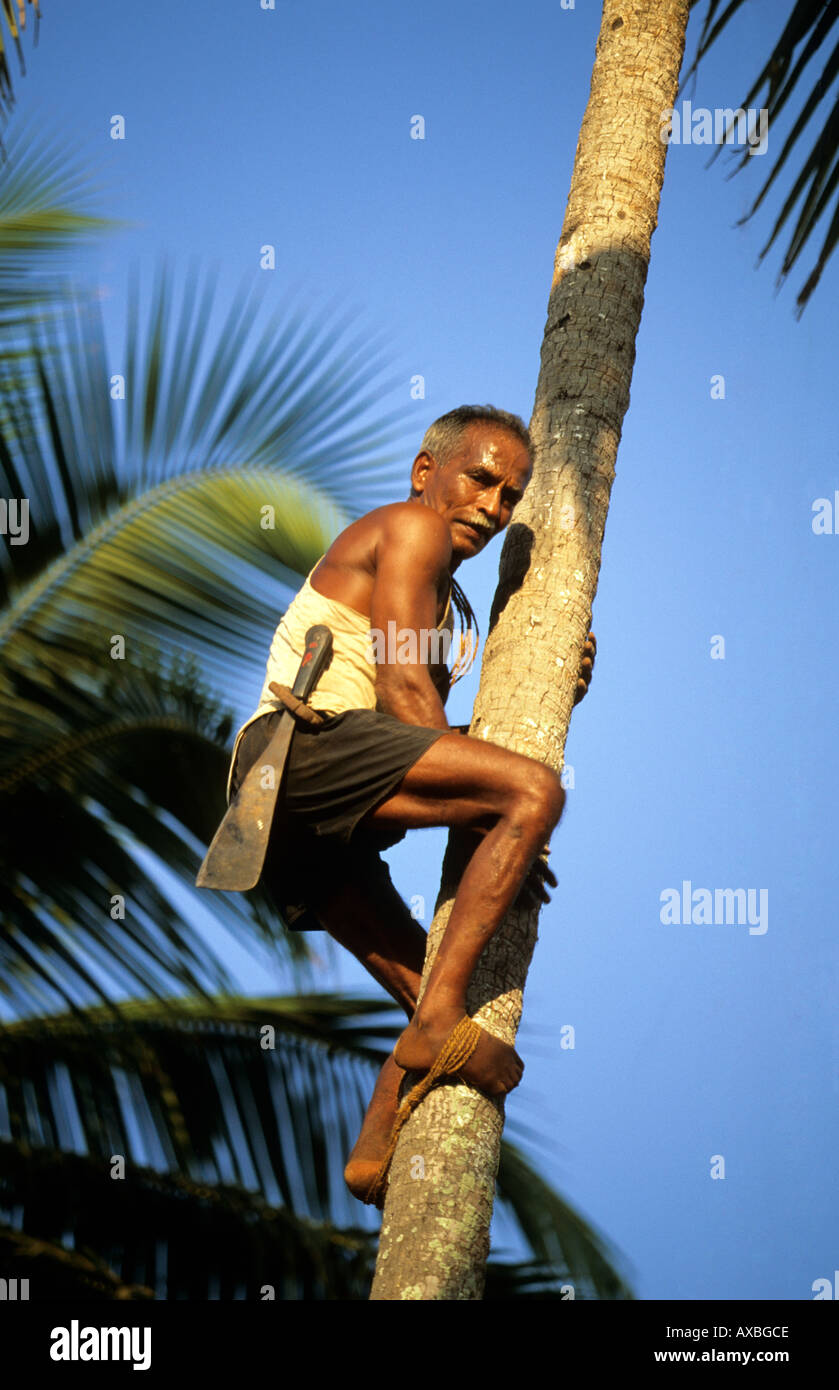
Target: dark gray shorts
[334, 774]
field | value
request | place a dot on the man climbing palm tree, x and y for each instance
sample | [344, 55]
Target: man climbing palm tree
[383, 758]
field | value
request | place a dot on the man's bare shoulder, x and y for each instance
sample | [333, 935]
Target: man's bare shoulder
[377, 546]
[411, 526]
[397, 523]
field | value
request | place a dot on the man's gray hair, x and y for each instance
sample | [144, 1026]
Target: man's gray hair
[445, 434]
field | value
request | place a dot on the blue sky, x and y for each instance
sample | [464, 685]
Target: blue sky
[291, 126]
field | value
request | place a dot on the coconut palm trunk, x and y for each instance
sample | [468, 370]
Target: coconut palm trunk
[435, 1230]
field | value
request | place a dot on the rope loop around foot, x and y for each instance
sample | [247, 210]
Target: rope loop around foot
[455, 1052]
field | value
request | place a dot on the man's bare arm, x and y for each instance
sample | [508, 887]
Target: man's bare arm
[412, 556]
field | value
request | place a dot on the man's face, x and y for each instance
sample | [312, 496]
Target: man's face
[478, 488]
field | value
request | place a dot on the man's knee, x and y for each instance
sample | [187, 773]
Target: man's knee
[544, 795]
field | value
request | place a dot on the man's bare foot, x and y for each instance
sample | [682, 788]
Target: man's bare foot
[494, 1067]
[371, 1146]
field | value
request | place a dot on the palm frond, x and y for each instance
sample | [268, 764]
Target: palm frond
[59, 1274]
[15, 24]
[186, 511]
[46, 198]
[192, 1089]
[214, 1095]
[815, 185]
[93, 763]
[170, 1236]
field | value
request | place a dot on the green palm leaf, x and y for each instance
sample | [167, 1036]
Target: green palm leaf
[102, 764]
[148, 515]
[14, 14]
[816, 181]
[191, 1092]
[58, 1274]
[186, 1239]
[45, 197]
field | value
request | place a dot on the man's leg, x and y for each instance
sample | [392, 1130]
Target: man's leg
[363, 912]
[509, 802]
[369, 917]
[370, 1147]
[515, 802]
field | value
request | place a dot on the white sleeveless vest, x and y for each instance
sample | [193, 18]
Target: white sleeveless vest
[349, 682]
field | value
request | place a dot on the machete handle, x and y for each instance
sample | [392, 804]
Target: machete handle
[317, 655]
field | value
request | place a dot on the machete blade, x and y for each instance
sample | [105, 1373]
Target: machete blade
[235, 858]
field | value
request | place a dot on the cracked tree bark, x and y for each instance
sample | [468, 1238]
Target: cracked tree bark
[435, 1229]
